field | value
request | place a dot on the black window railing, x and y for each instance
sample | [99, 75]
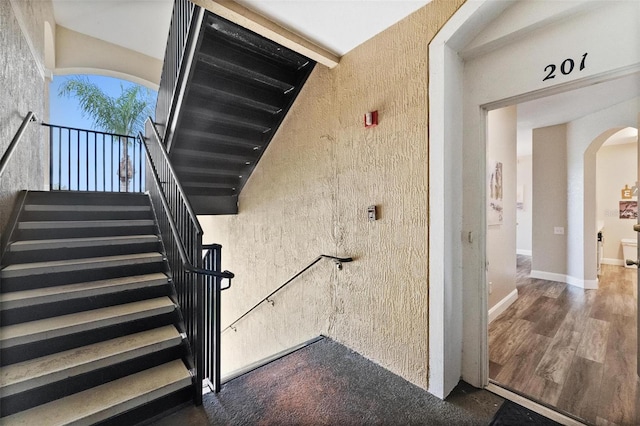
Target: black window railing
[90, 160]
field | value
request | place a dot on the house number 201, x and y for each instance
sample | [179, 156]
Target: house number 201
[566, 67]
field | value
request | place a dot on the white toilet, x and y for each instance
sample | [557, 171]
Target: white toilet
[629, 250]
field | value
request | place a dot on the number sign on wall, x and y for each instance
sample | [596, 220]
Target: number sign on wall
[566, 67]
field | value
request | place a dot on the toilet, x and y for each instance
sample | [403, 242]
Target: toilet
[629, 250]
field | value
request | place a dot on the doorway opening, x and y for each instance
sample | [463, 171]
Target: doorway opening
[570, 348]
[476, 46]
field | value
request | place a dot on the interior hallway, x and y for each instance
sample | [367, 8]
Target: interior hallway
[570, 348]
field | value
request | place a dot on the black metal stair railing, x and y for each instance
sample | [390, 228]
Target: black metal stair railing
[91, 160]
[183, 34]
[197, 282]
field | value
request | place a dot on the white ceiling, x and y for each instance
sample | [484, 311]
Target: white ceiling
[336, 25]
[142, 25]
[568, 106]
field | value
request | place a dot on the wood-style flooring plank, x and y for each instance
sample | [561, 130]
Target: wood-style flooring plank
[622, 335]
[581, 392]
[521, 366]
[619, 390]
[509, 341]
[602, 422]
[494, 369]
[543, 390]
[555, 290]
[540, 309]
[593, 345]
[556, 362]
[597, 324]
[549, 324]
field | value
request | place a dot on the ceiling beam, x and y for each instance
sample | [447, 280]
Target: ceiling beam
[251, 20]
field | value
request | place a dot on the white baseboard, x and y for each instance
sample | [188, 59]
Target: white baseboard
[502, 305]
[611, 261]
[524, 252]
[549, 276]
[568, 279]
[586, 284]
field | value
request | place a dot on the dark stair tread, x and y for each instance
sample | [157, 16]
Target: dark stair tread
[28, 298]
[62, 224]
[48, 369]
[34, 331]
[58, 243]
[38, 268]
[84, 208]
[108, 400]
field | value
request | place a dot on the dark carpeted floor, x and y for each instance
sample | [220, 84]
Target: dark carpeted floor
[328, 384]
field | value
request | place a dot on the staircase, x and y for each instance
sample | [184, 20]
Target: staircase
[238, 90]
[89, 329]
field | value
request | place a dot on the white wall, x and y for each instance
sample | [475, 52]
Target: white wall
[501, 239]
[584, 138]
[549, 257]
[616, 166]
[524, 216]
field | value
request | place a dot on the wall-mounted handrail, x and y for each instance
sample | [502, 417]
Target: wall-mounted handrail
[16, 139]
[337, 260]
[186, 262]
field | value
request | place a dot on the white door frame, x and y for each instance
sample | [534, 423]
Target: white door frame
[458, 344]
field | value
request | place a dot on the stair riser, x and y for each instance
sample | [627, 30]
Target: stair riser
[43, 394]
[71, 215]
[87, 198]
[45, 234]
[19, 315]
[58, 344]
[30, 256]
[156, 409]
[74, 273]
[48, 280]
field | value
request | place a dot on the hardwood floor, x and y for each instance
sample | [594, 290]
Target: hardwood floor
[570, 348]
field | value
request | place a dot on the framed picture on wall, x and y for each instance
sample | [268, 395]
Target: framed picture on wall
[494, 193]
[628, 209]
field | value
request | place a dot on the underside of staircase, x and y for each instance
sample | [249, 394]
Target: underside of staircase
[238, 90]
[90, 331]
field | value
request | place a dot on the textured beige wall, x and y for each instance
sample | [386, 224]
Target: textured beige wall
[23, 89]
[309, 195]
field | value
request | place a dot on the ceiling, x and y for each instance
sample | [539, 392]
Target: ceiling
[336, 25]
[573, 104]
[139, 25]
[142, 25]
